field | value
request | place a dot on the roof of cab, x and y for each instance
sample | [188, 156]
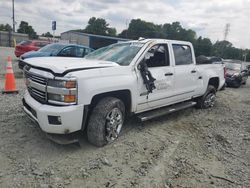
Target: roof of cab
[142, 40]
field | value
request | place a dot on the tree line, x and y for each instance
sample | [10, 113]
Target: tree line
[140, 28]
[173, 31]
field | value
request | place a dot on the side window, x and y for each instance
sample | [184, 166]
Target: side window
[37, 44]
[87, 51]
[68, 52]
[42, 44]
[80, 52]
[182, 54]
[157, 56]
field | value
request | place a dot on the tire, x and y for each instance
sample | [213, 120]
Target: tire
[244, 83]
[223, 87]
[208, 99]
[237, 85]
[107, 114]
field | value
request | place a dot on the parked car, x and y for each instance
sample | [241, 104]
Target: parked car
[29, 45]
[248, 69]
[56, 49]
[236, 74]
[147, 78]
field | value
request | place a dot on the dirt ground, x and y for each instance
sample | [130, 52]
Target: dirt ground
[191, 148]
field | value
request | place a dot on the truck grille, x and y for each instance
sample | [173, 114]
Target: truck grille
[36, 78]
[36, 86]
[38, 95]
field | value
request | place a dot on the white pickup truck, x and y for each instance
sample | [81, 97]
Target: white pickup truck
[147, 78]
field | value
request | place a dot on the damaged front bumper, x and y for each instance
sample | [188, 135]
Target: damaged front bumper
[54, 119]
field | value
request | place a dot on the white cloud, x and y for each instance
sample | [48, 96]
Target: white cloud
[208, 17]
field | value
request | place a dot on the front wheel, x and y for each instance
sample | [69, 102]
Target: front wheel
[208, 99]
[106, 121]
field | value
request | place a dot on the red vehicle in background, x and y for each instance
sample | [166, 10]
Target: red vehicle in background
[29, 45]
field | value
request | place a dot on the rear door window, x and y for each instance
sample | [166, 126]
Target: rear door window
[182, 54]
[68, 52]
[80, 52]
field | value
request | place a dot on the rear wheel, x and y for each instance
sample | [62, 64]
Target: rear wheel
[208, 99]
[106, 121]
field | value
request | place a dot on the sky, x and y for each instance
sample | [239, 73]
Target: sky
[207, 17]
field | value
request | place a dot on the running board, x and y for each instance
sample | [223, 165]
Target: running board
[165, 110]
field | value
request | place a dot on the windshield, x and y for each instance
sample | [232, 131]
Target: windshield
[52, 48]
[121, 53]
[233, 66]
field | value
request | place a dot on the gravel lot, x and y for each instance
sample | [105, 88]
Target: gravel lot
[191, 148]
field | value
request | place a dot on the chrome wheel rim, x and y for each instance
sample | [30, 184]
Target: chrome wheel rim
[114, 122]
[209, 100]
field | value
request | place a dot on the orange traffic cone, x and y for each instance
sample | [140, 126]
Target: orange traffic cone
[10, 82]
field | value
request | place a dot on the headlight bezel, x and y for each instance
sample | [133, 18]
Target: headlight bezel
[60, 89]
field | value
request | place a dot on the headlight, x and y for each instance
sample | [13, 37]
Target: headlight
[62, 83]
[62, 92]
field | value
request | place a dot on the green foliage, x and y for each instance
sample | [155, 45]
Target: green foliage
[174, 31]
[226, 50]
[5, 27]
[203, 46]
[48, 34]
[139, 28]
[25, 28]
[99, 26]
[111, 31]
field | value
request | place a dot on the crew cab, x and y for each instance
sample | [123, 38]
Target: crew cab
[146, 78]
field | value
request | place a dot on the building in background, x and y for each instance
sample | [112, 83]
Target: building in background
[90, 40]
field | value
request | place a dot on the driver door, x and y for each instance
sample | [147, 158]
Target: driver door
[159, 66]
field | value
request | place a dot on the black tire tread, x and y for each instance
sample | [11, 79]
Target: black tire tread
[96, 127]
[200, 100]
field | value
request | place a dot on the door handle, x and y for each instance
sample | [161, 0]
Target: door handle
[193, 71]
[169, 74]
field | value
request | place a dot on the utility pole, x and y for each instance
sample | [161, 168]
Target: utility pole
[13, 15]
[226, 31]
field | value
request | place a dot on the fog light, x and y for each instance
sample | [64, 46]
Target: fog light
[55, 120]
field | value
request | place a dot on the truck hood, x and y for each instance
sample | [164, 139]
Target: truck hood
[61, 65]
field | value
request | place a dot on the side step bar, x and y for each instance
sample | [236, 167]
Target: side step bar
[165, 110]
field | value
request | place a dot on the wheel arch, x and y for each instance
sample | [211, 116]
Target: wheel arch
[214, 81]
[123, 95]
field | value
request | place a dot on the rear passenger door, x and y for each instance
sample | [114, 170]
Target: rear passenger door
[185, 80]
[69, 51]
